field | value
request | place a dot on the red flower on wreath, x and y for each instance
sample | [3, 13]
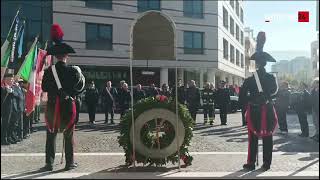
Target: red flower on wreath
[161, 98]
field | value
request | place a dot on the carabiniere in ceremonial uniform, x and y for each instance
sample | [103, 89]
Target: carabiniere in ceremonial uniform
[61, 108]
[256, 94]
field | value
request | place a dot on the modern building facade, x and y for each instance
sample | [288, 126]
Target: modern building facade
[315, 57]
[250, 47]
[300, 68]
[206, 39]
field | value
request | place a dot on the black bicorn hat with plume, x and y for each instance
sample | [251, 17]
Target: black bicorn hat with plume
[260, 55]
[59, 47]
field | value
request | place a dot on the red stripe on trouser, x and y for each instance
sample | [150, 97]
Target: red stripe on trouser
[263, 130]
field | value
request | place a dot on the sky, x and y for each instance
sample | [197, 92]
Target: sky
[286, 38]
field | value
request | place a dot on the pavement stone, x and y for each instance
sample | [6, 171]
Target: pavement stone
[295, 161]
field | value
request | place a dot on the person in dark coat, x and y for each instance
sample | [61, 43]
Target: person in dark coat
[193, 99]
[19, 107]
[302, 107]
[61, 109]
[109, 95]
[315, 107]
[208, 96]
[91, 100]
[223, 100]
[165, 91]
[181, 92]
[138, 93]
[6, 108]
[256, 94]
[152, 91]
[282, 106]
[124, 100]
[78, 106]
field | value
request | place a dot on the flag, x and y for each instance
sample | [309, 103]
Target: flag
[21, 34]
[31, 91]
[6, 48]
[39, 74]
[27, 66]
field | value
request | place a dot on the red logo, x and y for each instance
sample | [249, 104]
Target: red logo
[303, 16]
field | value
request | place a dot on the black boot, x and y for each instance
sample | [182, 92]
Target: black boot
[71, 166]
[265, 167]
[47, 167]
[249, 167]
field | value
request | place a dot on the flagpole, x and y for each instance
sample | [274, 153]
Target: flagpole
[14, 40]
[33, 44]
[14, 19]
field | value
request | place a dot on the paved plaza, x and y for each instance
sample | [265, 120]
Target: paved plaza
[218, 151]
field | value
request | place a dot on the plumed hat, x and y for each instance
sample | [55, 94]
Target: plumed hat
[59, 48]
[260, 55]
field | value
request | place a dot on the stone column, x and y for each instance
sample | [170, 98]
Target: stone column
[211, 76]
[181, 74]
[163, 76]
[231, 82]
[201, 78]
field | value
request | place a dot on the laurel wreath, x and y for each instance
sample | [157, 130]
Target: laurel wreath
[151, 140]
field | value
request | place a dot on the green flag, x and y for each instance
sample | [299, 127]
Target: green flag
[27, 66]
[6, 48]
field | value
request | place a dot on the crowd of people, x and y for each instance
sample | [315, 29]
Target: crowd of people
[112, 98]
[16, 125]
[304, 100]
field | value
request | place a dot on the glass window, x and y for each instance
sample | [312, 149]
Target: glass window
[241, 15]
[98, 36]
[145, 5]
[105, 4]
[231, 25]
[193, 8]
[237, 32]
[237, 8]
[225, 18]
[193, 42]
[231, 53]
[232, 3]
[225, 49]
[242, 41]
[237, 58]
[242, 61]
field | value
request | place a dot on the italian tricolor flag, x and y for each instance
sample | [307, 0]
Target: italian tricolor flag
[28, 73]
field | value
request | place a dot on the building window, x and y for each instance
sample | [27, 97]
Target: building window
[232, 3]
[193, 8]
[237, 58]
[225, 49]
[237, 32]
[193, 42]
[242, 39]
[237, 8]
[106, 4]
[241, 15]
[145, 5]
[231, 26]
[225, 18]
[242, 61]
[98, 36]
[231, 53]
